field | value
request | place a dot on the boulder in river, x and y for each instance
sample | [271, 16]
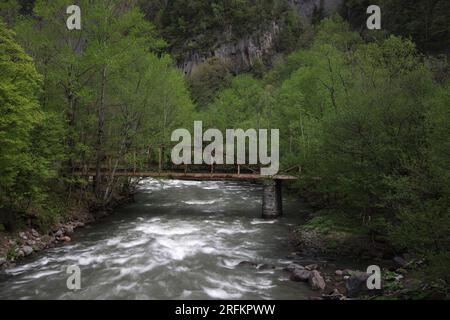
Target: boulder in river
[356, 283]
[316, 280]
[300, 275]
[293, 266]
[247, 264]
[2, 261]
[266, 267]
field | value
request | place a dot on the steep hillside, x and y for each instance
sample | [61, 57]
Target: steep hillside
[240, 32]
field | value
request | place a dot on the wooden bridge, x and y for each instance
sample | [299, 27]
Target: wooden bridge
[148, 166]
[211, 175]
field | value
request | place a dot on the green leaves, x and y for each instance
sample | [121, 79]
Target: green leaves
[25, 155]
[107, 92]
[376, 127]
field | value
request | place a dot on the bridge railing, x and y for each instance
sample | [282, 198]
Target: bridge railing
[157, 158]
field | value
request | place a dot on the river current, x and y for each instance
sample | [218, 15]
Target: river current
[179, 240]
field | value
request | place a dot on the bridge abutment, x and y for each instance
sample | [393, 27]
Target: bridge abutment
[272, 204]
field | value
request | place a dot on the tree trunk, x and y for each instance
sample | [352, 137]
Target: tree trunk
[100, 133]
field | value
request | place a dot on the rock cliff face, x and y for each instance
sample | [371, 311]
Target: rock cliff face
[242, 52]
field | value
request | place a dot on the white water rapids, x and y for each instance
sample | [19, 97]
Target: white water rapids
[179, 240]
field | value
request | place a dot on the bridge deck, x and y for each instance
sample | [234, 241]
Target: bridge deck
[197, 176]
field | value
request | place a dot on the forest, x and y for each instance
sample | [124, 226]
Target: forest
[364, 114]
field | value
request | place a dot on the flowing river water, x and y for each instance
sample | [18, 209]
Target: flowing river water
[179, 240]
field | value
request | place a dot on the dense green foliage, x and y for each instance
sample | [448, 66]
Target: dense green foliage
[369, 126]
[27, 133]
[366, 117]
[208, 79]
[103, 95]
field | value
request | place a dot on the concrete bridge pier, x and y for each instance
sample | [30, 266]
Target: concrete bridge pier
[272, 204]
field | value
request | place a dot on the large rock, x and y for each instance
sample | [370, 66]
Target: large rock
[247, 264]
[312, 267]
[2, 261]
[34, 233]
[65, 239]
[27, 250]
[69, 230]
[356, 284]
[300, 275]
[293, 266]
[316, 280]
[266, 267]
[77, 224]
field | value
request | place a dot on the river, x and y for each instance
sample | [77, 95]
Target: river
[179, 240]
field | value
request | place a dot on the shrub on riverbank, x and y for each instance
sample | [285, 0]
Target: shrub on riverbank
[338, 235]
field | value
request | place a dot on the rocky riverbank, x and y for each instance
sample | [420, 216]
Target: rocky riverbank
[329, 281]
[402, 276]
[327, 284]
[18, 245]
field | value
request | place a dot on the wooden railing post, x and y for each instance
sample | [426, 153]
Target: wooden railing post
[160, 158]
[134, 162]
[149, 157]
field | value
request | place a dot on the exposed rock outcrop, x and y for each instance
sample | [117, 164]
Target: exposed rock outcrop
[242, 52]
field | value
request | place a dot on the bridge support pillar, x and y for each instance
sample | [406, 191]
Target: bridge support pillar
[272, 204]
